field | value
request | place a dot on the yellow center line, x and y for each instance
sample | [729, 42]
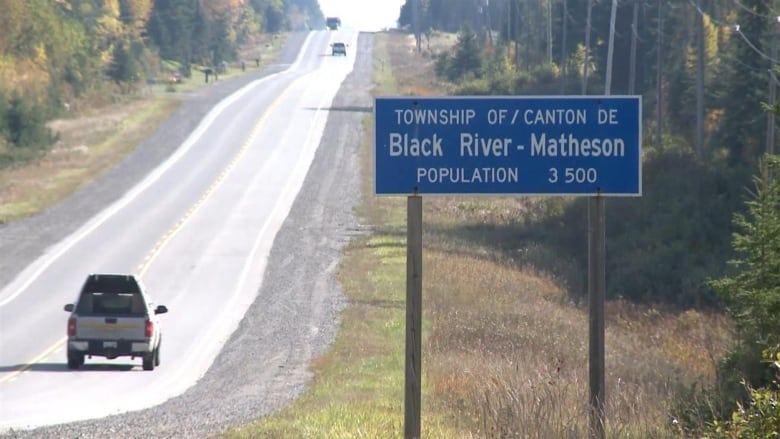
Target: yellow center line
[166, 238]
[25, 367]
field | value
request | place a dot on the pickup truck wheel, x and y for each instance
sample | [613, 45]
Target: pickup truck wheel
[149, 361]
[75, 360]
[157, 354]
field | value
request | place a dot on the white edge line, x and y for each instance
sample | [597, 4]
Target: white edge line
[280, 212]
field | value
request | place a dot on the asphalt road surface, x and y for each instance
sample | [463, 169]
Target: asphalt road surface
[234, 214]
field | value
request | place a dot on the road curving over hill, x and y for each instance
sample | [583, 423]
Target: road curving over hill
[263, 365]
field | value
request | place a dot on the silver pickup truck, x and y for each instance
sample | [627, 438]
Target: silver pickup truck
[114, 317]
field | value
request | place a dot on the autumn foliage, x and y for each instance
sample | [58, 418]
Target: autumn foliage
[55, 54]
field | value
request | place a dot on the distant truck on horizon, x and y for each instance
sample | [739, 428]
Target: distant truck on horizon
[333, 23]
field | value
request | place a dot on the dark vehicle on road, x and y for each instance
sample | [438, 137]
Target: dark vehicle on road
[114, 317]
[338, 49]
[333, 23]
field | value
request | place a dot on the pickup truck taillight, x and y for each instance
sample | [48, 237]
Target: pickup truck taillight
[149, 328]
[71, 326]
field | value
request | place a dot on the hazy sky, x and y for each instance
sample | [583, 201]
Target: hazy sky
[365, 15]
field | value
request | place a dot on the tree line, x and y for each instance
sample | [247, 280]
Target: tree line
[704, 68]
[56, 52]
[705, 63]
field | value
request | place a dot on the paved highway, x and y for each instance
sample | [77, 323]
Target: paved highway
[198, 230]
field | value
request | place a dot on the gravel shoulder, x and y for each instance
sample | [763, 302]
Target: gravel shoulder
[264, 365]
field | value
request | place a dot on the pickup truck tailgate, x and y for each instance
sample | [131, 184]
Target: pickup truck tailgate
[111, 316]
[110, 328]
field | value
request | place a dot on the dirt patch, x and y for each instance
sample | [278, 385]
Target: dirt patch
[84, 130]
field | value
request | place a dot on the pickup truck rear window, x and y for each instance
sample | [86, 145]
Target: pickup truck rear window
[111, 283]
[111, 304]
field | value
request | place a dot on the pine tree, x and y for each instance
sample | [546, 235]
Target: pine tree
[125, 67]
[741, 132]
[752, 295]
[467, 59]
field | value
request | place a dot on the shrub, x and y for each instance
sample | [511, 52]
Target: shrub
[756, 418]
[23, 130]
[661, 247]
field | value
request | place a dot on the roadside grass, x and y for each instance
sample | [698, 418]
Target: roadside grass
[505, 348]
[88, 147]
[358, 387]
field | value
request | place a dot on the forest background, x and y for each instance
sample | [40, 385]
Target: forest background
[705, 233]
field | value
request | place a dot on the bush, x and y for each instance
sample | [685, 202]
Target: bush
[23, 131]
[661, 247]
[755, 417]
[442, 64]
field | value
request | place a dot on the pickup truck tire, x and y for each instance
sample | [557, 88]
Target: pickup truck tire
[75, 360]
[148, 363]
[157, 355]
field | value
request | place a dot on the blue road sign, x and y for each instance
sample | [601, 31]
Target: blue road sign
[541, 145]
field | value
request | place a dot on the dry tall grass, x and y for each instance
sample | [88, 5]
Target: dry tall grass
[88, 147]
[507, 351]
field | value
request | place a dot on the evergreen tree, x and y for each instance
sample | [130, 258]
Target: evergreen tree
[26, 126]
[171, 28]
[745, 75]
[275, 19]
[5, 132]
[125, 67]
[220, 46]
[752, 295]
[467, 57]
